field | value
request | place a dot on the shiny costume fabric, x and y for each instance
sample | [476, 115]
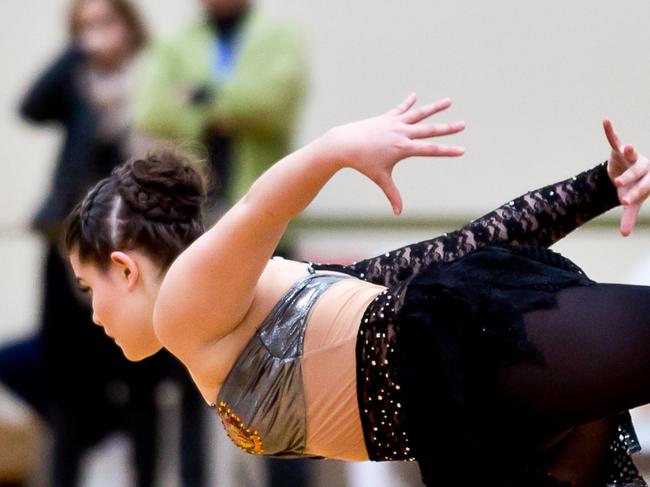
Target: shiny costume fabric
[429, 347]
[262, 401]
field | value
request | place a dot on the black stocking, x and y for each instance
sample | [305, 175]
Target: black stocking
[595, 347]
[596, 350]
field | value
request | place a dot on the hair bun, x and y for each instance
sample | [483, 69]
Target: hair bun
[164, 186]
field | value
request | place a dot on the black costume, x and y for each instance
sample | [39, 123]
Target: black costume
[486, 345]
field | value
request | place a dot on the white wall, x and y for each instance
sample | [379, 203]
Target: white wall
[533, 80]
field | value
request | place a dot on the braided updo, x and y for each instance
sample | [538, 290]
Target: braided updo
[152, 204]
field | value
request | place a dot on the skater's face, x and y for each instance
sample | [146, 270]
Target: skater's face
[123, 296]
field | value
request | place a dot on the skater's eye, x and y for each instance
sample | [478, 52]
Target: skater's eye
[86, 290]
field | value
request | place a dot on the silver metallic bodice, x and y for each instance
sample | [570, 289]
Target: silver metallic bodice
[262, 401]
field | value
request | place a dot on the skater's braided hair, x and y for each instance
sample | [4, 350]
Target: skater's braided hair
[152, 204]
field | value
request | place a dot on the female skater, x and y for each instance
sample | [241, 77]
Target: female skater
[478, 347]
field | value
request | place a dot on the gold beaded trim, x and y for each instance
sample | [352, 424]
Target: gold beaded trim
[245, 438]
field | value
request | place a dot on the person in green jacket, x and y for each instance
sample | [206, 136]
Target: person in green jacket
[233, 82]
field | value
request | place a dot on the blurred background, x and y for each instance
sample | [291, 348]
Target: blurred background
[533, 82]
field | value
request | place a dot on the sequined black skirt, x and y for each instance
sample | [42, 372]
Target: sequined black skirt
[428, 352]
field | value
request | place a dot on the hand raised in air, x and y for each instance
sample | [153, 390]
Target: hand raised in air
[375, 145]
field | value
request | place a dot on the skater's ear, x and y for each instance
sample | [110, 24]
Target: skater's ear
[127, 268]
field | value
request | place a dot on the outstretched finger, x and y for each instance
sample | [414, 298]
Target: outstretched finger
[628, 220]
[421, 131]
[389, 188]
[403, 107]
[419, 114]
[612, 138]
[427, 149]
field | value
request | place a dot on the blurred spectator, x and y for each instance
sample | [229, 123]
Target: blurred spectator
[233, 83]
[87, 92]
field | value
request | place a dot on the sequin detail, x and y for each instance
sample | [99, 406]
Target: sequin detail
[379, 392]
[247, 439]
[621, 471]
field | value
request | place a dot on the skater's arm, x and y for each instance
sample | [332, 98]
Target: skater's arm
[224, 264]
[545, 215]
[539, 217]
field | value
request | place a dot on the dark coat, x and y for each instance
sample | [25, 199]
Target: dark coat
[57, 97]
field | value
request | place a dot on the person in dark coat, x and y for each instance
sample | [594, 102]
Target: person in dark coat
[86, 91]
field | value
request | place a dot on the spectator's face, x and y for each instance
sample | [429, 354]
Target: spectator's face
[102, 33]
[224, 8]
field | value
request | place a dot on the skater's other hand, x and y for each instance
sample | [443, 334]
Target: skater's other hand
[630, 173]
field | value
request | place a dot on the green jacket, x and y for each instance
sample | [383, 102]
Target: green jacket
[257, 104]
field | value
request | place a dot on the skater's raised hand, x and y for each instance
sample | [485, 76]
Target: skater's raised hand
[373, 146]
[630, 173]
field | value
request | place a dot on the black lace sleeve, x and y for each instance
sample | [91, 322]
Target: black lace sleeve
[540, 217]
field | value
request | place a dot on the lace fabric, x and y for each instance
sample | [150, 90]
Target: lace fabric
[540, 217]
